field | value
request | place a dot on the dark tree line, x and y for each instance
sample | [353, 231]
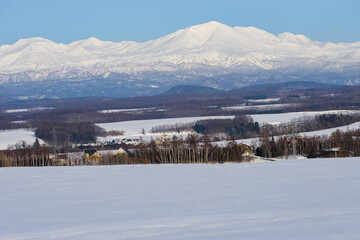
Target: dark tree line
[240, 127]
[60, 132]
[347, 143]
[179, 151]
[335, 120]
[178, 127]
[27, 157]
[243, 126]
[320, 122]
[175, 151]
[190, 150]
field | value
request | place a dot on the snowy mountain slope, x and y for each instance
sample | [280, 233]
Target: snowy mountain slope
[202, 51]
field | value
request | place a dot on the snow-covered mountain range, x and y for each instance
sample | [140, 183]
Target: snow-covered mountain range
[210, 54]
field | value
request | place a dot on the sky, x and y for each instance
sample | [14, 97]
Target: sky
[65, 21]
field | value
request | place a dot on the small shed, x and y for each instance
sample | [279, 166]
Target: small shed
[330, 152]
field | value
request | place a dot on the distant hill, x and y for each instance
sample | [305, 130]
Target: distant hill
[284, 86]
[189, 89]
[5, 99]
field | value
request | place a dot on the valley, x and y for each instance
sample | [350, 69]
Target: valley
[279, 110]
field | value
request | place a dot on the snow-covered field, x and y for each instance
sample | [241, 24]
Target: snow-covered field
[133, 129]
[137, 125]
[289, 199]
[267, 100]
[278, 118]
[27, 109]
[130, 110]
[329, 131]
[324, 132]
[12, 137]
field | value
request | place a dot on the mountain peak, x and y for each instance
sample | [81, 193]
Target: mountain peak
[90, 43]
[209, 26]
[33, 40]
[203, 36]
[212, 24]
[33, 44]
[93, 40]
[289, 37]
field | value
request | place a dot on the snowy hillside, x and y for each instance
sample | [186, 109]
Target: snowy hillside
[290, 199]
[201, 54]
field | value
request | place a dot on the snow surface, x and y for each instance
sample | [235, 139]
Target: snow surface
[329, 131]
[137, 125]
[278, 118]
[264, 100]
[12, 137]
[324, 132]
[133, 129]
[27, 109]
[130, 110]
[289, 199]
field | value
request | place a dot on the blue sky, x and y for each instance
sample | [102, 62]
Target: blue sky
[142, 20]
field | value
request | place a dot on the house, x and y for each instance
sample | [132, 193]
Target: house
[128, 141]
[248, 150]
[122, 151]
[90, 152]
[330, 152]
[91, 155]
[162, 140]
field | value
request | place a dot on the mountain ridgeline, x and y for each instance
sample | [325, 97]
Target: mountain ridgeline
[210, 55]
[191, 89]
